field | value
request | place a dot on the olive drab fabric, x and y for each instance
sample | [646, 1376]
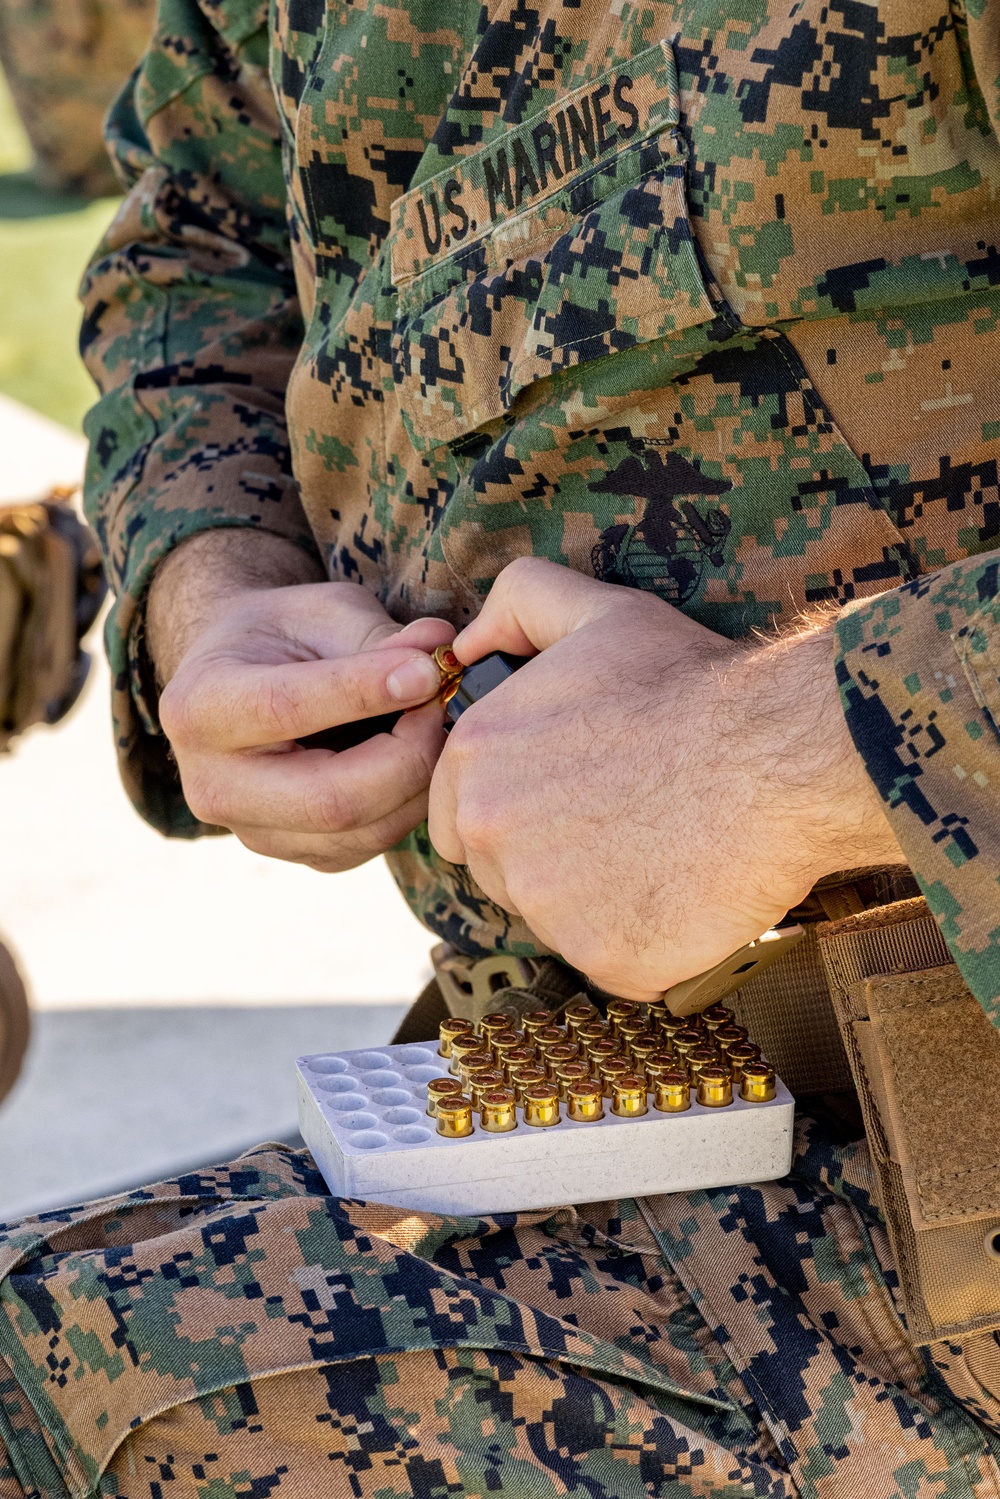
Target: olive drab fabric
[65, 60]
[237, 1333]
[693, 296]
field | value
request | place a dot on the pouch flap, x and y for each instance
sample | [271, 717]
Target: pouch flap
[940, 1063]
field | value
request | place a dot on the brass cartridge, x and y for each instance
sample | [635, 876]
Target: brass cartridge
[739, 1054]
[541, 1105]
[610, 1070]
[619, 1010]
[454, 1117]
[534, 1020]
[448, 1030]
[672, 1025]
[519, 1056]
[672, 1092]
[498, 1111]
[700, 1057]
[485, 1082]
[630, 1026]
[581, 1012]
[685, 1041]
[505, 1041]
[526, 1077]
[728, 1035]
[715, 1087]
[463, 1046]
[549, 1035]
[584, 1102]
[643, 1047]
[660, 1062]
[757, 1084]
[572, 1072]
[441, 1087]
[715, 1016]
[475, 1063]
[600, 1051]
[586, 1035]
[555, 1056]
[628, 1095]
[495, 1021]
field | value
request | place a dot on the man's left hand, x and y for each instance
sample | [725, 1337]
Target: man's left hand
[645, 793]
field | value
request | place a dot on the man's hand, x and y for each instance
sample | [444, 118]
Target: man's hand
[647, 794]
[251, 665]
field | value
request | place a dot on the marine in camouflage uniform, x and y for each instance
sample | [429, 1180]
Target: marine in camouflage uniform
[697, 297]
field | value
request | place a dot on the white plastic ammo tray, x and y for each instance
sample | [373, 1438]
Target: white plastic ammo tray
[363, 1115]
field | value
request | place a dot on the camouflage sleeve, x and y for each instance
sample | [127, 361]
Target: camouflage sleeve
[191, 327]
[919, 675]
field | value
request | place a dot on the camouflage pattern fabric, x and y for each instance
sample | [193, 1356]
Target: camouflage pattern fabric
[65, 60]
[695, 296]
[237, 1333]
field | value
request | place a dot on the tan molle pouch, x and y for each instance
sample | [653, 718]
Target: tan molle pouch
[926, 1062]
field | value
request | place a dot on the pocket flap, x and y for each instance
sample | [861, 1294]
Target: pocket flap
[565, 240]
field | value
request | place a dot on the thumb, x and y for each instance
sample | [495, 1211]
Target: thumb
[532, 604]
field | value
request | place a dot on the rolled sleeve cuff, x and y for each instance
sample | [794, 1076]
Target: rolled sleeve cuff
[919, 676]
[240, 482]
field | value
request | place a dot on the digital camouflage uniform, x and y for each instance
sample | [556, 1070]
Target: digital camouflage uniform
[699, 297]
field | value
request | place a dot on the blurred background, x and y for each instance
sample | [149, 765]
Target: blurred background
[172, 984]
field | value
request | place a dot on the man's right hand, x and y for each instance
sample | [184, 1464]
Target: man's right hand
[255, 653]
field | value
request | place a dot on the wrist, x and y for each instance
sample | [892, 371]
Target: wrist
[822, 805]
[201, 576]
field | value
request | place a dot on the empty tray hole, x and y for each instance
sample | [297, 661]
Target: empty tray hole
[411, 1134]
[324, 1065]
[370, 1140]
[385, 1097]
[403, 1116]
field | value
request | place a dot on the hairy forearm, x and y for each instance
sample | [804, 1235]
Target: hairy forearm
[196, 578]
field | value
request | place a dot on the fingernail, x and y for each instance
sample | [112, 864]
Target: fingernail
[414, 680]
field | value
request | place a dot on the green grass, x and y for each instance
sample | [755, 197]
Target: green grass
[45, 242]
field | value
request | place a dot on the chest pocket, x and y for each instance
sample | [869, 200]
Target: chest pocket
[565, 240]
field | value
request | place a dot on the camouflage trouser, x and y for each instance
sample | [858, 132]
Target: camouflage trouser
[237, 1332]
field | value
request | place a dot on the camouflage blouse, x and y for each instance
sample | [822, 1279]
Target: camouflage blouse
[698, 296]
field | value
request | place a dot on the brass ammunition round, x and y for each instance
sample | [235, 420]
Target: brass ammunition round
[715, 1016]
[672, 1025]
[584, 1102]
[448, 1030]
[568, 1074]
[672, 1092]
[554, 1056]
[599, 1051]
[549, 1035]
[619, 1010]
[504, 1041]
[541, 1105]
[463, 1046]
[628, 1095]
[495, 1021]
[643, 1047]
[454, 1117]
[580, 1012]
[475, 1063]
[629, 1027]
[660, 1062]
[519, 1056]
[526, 1077]
[498, 1111]
[757, 1083]
[586, 1035]
[685, 1041]
[438, 1088]
[728, 1035]
[534, 1020]
[739, 1054]
[700, 1057]
[715, 1087]
[485, 1082]
[612, 1069]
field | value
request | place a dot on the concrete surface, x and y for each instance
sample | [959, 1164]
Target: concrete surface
[172, 981]
[115, 1097]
